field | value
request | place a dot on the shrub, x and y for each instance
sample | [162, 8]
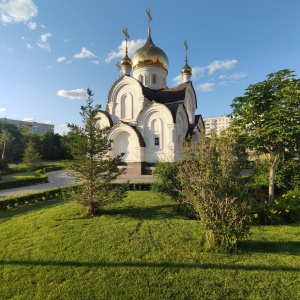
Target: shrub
[210, 180]
[23, 182]
[284, 210]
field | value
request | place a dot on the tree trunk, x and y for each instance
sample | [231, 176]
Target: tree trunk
[273, 161]
[271, 184]
[3, 152]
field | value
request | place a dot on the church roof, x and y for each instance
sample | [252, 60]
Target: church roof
[166, 95]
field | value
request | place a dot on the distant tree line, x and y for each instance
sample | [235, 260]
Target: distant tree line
[14, 140]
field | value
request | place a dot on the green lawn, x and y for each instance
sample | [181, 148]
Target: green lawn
[18, 176]
[138, 249]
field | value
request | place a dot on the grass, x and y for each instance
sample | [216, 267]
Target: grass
[138, 249]
[18, 176]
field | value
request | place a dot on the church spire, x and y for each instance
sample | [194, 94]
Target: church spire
[126, 63]
[186, 71]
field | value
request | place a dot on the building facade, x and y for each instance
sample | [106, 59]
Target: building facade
[148, 120]
[32, 126]
[216, 125]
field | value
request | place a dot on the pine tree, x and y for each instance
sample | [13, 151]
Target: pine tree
[31, 157]
[92, 164]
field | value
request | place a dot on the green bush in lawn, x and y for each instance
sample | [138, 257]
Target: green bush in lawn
[284, 210]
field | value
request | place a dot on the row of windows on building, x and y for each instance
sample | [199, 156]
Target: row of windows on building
[153, 79]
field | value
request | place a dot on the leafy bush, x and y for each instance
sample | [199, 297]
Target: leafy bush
[167, 182]
[40, 173]
[284, 210]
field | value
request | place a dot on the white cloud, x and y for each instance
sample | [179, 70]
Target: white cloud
[177, 80]
[206, 87]
[72, 94]
[42, 42]
[222, 83]
[61, 59]
[2, 109]
[47, 122]
[32, 25]
[85, 53]
[221, 64]
[29, 120]
[68, 62]
[132, 47]
[17, 10]
[238, 76]
[29, 47]
[96, 62]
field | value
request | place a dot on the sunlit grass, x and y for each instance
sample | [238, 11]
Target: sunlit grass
[18, 176]
[138, 249]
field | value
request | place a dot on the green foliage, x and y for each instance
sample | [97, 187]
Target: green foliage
[31, 157]
[268, 116]
[40, 173]
[284, 210]
[210, 178]
[4, 167]
[288, 174]
[167, 182]
[92, 164]
[22, 181]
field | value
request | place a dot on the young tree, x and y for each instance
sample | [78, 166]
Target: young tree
[5, 136]
[31, 157]
[269, 116]
[93, 166]
[210, 177]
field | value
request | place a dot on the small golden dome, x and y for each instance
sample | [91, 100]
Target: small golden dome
[126, 61]
[150, 55]
[186, 69]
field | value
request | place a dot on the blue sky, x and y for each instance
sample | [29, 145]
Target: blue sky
[52, 51]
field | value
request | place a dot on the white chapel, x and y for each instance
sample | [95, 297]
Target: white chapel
[147, 119]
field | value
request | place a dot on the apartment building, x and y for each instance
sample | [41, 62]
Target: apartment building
[216, 125]
[39, 128]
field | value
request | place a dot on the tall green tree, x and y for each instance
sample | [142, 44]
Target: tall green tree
[31, 157]
[269, 117]
[94, 168]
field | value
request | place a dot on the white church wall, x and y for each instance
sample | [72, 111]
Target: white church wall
[153, 77]
[126, 100]
[103, 120]
[125, 140]
[156, 126]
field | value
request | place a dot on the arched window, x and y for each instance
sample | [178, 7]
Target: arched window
[126, 107]
[142, 79]
[154, 79]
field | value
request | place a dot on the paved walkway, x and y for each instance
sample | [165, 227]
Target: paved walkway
[61, 178]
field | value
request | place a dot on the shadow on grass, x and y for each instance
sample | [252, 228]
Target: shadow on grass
[160, 212]
[270, 247]
[7, 214]
[148, 265]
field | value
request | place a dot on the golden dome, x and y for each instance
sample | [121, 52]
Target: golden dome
[186, 69]
[150, 55]
[126, 61]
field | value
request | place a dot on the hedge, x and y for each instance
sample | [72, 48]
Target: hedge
[27, 199]
[23, 182]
